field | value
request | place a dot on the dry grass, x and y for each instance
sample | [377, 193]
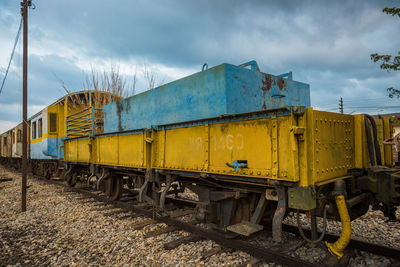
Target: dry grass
[101, 88]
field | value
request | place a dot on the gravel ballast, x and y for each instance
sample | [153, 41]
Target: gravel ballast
[60, 228]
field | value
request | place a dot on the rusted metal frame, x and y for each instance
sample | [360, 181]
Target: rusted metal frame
[77, 118]
[75, 132]
[314, 226]
[74, 123]
[142, 196]
[78, 112]
[80, 126]
[169, 180]
[279, 214]
[258, 213]
[230, 178]
[104, 175]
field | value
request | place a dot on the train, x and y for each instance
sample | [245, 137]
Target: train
[247, 143]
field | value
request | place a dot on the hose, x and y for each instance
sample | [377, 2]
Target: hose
[304, 236]
[369, 142]
[344, 239]
[376, 142]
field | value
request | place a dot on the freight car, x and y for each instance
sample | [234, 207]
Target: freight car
[11, 146]
[46, 131]
[248, 144]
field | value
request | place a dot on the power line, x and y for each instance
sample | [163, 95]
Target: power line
[12, 55]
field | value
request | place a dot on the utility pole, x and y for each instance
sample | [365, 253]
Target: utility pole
[341, 105]
[24, 12]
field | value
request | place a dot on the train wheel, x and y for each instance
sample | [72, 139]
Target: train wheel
[114, 187]
[71, 179]
[48, 174]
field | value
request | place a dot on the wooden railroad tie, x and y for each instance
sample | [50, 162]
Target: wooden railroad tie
[164, 230]
[184, 240]
[215, 250]
[180, 213]
[142, 224]
[114, 211]
[128, 216]
[176, 214]
[5, 180]
[160, 231]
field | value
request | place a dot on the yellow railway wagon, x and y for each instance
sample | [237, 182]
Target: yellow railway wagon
[310, 148]
[122, 150]
[245, 167]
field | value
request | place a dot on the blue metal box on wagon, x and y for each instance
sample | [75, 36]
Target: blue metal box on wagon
[223, 89]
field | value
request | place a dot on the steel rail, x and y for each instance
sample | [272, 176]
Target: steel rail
[355, 243]
[259, 252]
[263, 253]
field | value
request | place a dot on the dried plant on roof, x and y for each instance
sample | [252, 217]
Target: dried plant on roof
[99, 88]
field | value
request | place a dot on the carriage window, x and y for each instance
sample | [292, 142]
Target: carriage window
[39, 128]
[5, 141]
[34, 130]
[53, 122]
[19, 136]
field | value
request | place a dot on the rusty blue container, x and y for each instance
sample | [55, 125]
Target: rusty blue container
[223, 89]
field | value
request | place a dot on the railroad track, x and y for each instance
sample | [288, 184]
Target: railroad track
[171, 218]
[196, 233]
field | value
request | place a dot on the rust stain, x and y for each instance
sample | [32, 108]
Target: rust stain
[267, 82]
[264, 106]
[281, 83]
[119, 111]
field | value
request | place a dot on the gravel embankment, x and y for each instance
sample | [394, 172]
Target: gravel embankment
[59, 229]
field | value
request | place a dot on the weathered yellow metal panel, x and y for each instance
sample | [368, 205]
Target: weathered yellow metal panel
[125, 150]
[84, 150]
[209, 147]
[311, 148]
[71, 151]
[359, 142]
[184, 148]
[247, 140]
[107, 150]
[131, 150]
[333, 145]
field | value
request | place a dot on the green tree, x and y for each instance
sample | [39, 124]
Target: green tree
[389, 62]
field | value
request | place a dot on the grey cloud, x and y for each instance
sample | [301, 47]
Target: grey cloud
[325, 43]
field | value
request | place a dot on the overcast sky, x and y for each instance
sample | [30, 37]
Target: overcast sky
[325, 43]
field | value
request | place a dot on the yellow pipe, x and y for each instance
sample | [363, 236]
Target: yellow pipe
[344, 239]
